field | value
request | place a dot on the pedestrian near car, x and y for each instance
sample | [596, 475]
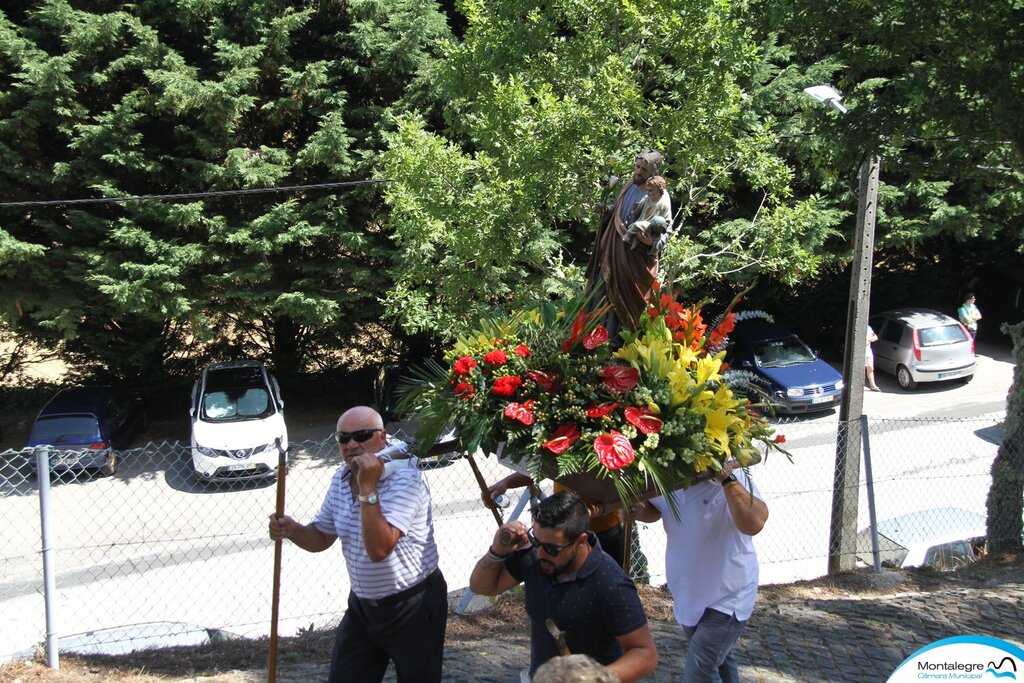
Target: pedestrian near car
[970, 315]
[570, 582]
[869, 360]
[397, 607]
[711, 567]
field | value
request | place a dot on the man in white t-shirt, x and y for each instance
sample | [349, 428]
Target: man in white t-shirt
[711, 566]
[398, 605]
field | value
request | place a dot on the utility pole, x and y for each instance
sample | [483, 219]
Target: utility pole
[845, 492]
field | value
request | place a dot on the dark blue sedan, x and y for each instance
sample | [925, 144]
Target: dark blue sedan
[780, 369]
[85, 427]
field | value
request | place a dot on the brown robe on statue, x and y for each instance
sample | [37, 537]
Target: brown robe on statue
[628, 273]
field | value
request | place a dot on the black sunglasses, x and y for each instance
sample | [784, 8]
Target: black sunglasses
[549, 548]
[360, 435]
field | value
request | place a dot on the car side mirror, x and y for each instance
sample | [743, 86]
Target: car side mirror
[746, 364]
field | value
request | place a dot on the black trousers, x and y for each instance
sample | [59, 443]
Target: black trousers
[409, 632]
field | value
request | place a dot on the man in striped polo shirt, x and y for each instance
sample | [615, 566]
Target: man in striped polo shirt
[398, 606]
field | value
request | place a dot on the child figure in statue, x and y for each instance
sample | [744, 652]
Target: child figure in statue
[652, 215]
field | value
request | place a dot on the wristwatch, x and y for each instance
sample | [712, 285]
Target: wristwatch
[370, 498]
[731, 479]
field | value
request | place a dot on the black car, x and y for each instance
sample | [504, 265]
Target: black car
[86, 426]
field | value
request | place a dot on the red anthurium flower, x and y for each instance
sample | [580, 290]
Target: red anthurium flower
[495, 357]
[643, 419]
[614, 450]
[620, 378]
[548, 381]
[521, 412]
[464, 390]
[565, 436]
[463, 365]
[506, 386]
[602, 410]
[596, 338]
[523, 351]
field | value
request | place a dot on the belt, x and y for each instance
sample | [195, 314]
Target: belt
[400, 595]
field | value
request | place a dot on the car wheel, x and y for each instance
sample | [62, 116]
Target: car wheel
[111, 466]
[904, 377]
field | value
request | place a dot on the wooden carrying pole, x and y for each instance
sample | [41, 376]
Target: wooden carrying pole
[282, 469]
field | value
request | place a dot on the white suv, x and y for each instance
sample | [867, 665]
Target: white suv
[237, 419]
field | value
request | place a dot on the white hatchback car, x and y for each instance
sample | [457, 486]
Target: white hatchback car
[922, 345]
[237, 420]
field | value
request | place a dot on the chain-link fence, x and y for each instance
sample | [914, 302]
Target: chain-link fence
[151, 556]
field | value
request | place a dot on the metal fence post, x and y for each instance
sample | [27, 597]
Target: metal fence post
[49, 579]
[872, 517]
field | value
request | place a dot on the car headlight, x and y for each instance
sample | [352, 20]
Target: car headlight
[272, 446]
[840, 385]
[208, 452]
[794, 392]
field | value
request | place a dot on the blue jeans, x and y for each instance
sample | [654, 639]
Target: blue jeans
[709, 655]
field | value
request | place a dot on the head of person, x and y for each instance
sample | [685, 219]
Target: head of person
[646, 165]
[968, 297]
[559, 532]
[360, 430]
[573, 669]
[655, 187]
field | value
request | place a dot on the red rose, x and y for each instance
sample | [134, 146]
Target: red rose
[506, 386]
[596, 338]
[564, 436]
[602, 410]
[620, 378]
[522, 412]
[614, 450]
[495, 357]
[463, 365]
[464, 390]
[523, 351]
[643, 419]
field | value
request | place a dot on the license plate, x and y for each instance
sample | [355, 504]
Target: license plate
[241, 467]
[944, 375]
[821, 399]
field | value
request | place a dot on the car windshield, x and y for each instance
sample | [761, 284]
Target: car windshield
[937, 336]
[57, 430]
[778, 353]
[236, 394]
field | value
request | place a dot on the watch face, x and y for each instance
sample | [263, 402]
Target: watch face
[371, 498]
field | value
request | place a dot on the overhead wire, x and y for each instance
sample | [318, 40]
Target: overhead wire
[188, 195]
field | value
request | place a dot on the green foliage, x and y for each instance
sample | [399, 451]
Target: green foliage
[184, 96]
[545, 102]
[934, 88]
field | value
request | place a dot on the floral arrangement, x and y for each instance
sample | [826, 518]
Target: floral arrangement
[653, 414]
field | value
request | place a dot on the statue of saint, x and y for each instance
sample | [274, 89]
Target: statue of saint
[618, 271]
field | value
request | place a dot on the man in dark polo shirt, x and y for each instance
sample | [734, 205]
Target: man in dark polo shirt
[570, 581]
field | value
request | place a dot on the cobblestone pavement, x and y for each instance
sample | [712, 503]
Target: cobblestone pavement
[791, 638]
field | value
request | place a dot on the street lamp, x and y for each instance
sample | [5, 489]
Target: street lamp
[843, 534]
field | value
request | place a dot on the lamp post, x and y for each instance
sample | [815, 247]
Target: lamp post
[843, 533]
